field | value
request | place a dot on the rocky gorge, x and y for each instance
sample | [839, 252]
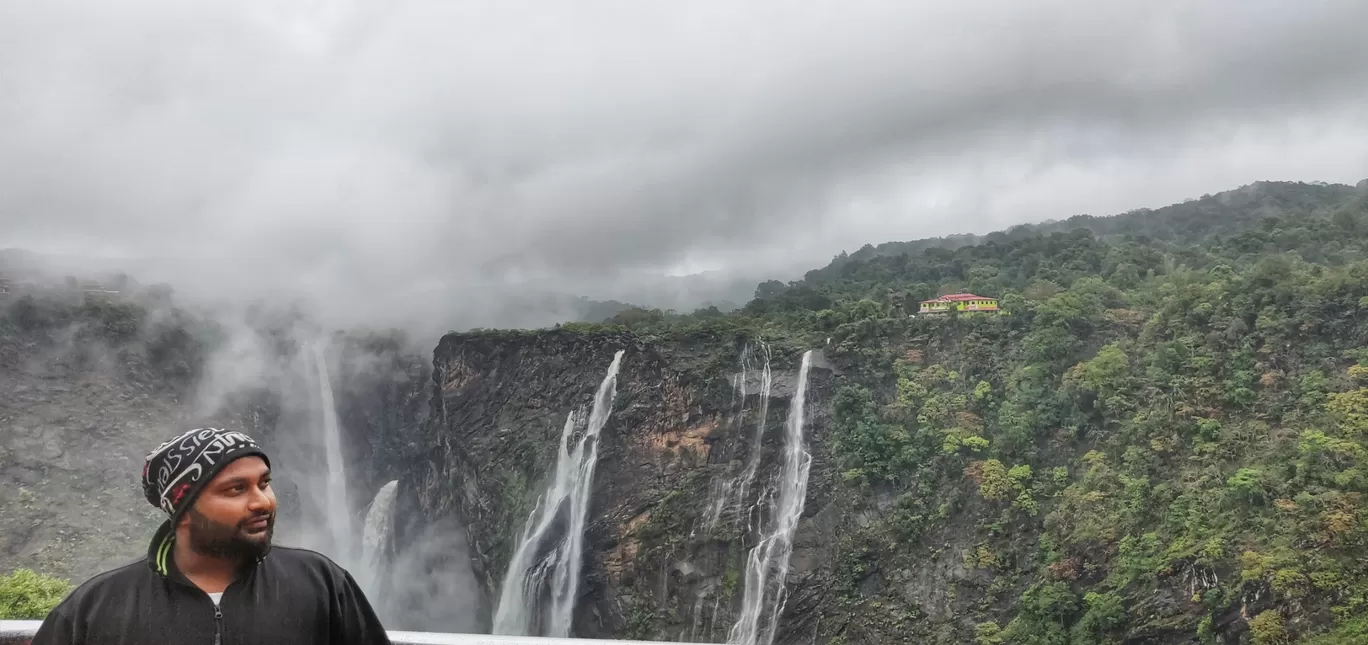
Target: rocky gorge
[667, 540]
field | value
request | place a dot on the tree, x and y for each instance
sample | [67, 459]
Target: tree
[1103, 374]
[1267, 629]
[769, 289]
[994, 481]
[1246, 484]
[28, 595]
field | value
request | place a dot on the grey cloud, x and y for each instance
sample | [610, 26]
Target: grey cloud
[429, 155]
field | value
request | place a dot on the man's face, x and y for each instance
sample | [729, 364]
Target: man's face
[234, 515]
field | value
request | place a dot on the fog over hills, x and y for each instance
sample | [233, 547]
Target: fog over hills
[448, 163]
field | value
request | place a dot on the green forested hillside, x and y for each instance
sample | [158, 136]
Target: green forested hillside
[1186, 224]
[1163, 438]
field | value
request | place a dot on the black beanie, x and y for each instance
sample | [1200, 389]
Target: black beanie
[176, 471]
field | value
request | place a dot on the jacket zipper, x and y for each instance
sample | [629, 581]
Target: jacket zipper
[218, 625]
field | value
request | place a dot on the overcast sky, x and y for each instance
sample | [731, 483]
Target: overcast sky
[361, 150]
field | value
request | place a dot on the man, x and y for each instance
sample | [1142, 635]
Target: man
[211, 574]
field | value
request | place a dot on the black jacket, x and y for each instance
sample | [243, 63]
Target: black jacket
[287, 596]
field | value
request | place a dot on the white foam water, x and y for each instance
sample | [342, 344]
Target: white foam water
[768, 562]
[541, 586]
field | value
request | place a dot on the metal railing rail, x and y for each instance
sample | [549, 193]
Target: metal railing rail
[18, 632]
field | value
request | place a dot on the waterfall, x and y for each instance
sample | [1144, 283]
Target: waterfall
[565, 506]
[690, 635]
[337, 513]
[377, 532]
[723, 492]
[753, 458]
[767, 563]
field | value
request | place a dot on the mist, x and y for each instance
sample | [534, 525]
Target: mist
[263, 374]
[92, 383]
[437, 165]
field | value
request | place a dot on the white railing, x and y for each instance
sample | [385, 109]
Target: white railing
[16, 632]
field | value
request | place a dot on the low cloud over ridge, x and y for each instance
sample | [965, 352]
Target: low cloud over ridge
[402, 160]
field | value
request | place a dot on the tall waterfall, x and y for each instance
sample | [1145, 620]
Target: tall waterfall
[377, 532]
[541, 584]
[753, 459]
[736, 491]
[768, 562]
[337, 512]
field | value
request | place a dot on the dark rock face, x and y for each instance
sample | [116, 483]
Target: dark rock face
[382, 397]
[656, 566]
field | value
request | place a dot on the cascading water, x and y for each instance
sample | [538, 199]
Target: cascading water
[753, 459]
[736, 491]
[536, 573]
[337, 512]
[377, 532]
[722, 489]
[733, 493]
[767, 563]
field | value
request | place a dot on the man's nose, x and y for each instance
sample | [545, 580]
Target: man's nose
[260, 500]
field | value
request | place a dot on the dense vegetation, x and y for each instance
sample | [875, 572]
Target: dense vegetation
[141, 333]
[26, 595]
[1163, 437]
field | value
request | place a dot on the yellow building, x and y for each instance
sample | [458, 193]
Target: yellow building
[958, 302]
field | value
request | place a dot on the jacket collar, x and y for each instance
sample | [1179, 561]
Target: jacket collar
[159, 552]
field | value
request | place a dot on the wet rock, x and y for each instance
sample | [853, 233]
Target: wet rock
[687, 572]
[677, 434]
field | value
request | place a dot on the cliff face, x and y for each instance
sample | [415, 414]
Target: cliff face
[88, 387]
[663, 561]
[943, 557]
[76, 418]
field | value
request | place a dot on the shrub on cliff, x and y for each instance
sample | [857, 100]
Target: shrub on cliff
[113, 321]
[28, 595]
[31, 313]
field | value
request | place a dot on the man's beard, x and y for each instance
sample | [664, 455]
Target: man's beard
[229, 542]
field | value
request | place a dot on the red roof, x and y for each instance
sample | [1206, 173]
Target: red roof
[957, 297]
